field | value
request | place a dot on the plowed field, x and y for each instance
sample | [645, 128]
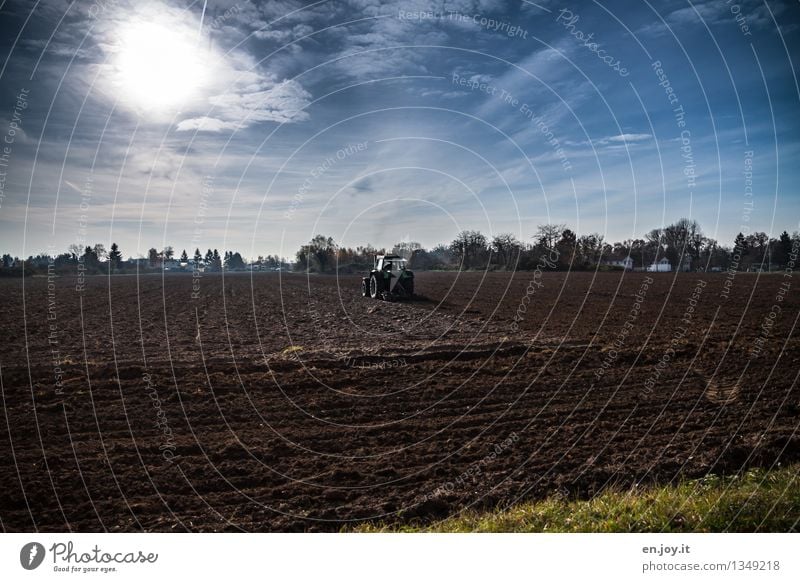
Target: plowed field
[281, 402]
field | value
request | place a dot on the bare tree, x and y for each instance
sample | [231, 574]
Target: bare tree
[320, 250]
[590, 248]
[547, 235]
[469, 247]
[406, 249]
[507, 248]
[679, 239]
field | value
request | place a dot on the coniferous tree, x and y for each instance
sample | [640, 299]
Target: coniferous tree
[115, 257]
[90, 257]
[784, 248]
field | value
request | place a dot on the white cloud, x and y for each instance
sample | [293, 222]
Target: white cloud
[283, 102]
[284, 34]
[711, 14]
[627, 137]
[622, 141]
[204, 124]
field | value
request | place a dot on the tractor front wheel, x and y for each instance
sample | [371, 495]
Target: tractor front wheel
[364, 287]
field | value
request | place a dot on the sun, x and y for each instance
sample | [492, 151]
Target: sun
[158, 67]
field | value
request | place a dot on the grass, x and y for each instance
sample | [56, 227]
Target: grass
[756, 500]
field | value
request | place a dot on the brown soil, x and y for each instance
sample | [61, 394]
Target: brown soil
[283, 402]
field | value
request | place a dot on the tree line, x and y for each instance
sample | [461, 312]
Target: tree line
[96, 260]
[682, 244]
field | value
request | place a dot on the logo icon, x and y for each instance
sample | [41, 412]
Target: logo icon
[31, 555]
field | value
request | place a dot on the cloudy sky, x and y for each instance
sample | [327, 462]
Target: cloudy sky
[254, 125]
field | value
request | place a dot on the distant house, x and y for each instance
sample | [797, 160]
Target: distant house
[624, 262]
[190, 265]
[661, 266]
[171, 265]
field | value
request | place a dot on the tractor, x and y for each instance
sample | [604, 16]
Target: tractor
[389, 279]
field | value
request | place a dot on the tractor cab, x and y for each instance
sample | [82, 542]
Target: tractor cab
[391, 263]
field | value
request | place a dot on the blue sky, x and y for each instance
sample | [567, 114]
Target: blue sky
[253, 126]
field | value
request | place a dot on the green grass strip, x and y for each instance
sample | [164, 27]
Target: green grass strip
[756, 500]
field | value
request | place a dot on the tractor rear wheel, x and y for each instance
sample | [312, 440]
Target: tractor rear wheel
[374, 289]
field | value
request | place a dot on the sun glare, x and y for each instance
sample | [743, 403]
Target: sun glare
[158, 68]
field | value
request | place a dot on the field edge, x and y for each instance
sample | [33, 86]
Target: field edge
[756, 500]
